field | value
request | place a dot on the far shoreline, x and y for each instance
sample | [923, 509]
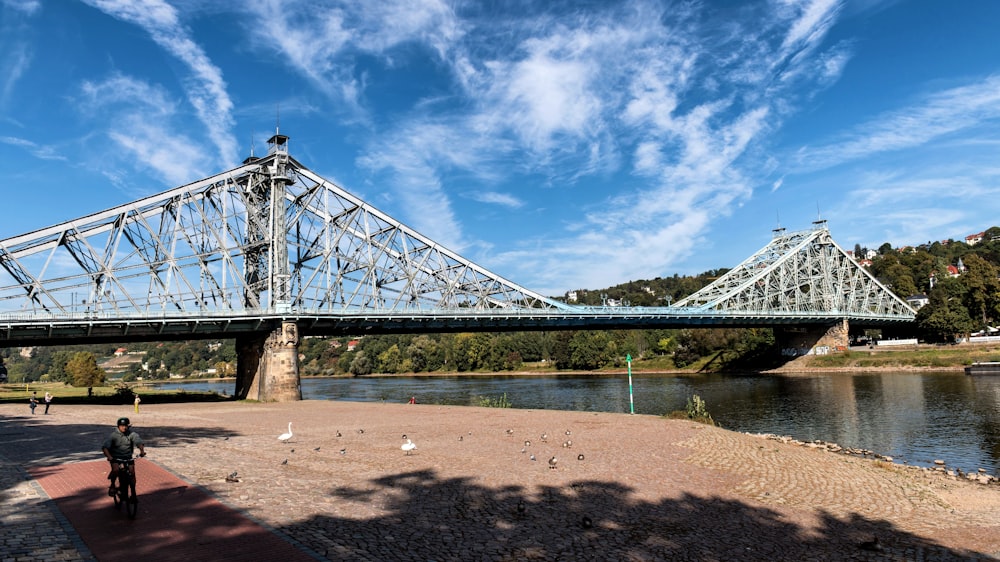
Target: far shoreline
[796, 371]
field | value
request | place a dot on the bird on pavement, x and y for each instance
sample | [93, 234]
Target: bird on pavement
[284, 461]
[232, 477]
[552, 462]
[286, 436]
[408, 446]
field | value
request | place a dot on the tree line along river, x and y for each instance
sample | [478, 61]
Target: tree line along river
[914, 418]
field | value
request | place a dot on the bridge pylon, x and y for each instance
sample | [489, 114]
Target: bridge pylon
[804, 274]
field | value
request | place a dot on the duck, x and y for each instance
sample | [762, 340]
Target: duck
[408, 446]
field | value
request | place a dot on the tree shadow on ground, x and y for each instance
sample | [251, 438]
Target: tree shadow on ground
[30, 439]
[455, 519]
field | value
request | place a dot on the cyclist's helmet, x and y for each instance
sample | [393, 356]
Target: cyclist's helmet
[124, 421]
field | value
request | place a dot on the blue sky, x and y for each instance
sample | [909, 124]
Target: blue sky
[562, 145]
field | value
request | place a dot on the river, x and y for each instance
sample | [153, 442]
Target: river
[915, 418]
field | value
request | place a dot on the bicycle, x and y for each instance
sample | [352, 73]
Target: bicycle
[125, 494]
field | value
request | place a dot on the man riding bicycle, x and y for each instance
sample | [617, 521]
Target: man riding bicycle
[120, 446]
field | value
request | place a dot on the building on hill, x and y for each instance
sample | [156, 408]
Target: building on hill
[974, 239]
[918, 301]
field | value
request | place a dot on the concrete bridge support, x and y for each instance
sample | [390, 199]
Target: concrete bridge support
[267, 367]
[813, 339]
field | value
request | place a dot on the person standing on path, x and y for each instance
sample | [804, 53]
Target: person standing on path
[137, 400]
[33, 402]
[48, 401]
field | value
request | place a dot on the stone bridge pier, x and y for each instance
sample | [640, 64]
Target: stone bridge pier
[267, 366]
[822, 339]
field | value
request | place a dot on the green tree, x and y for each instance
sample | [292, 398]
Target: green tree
[588, 350]
[344, 363]
[900, 280]
[57, 365]
[983, 296]
[389, 360]
[361, 365]
[83, 370]
[944, 317]
[422, 353]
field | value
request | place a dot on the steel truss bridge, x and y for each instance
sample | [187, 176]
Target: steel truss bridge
[271, 242]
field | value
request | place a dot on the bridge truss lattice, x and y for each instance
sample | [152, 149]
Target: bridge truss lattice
[801, 273]
[269, 236]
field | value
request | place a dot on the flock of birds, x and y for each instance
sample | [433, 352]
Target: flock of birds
[409, 446]
[585, 522]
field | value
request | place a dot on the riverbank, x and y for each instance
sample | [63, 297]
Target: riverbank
[627, 487]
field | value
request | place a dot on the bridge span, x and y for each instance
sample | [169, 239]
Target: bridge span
[269, 252]
[28, 330]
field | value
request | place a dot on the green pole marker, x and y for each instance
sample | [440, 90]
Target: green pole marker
[631, 404]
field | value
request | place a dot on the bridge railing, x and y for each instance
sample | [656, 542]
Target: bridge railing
[590, 311]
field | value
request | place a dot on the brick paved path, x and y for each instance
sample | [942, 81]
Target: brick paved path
[625, 488]
[175, 521]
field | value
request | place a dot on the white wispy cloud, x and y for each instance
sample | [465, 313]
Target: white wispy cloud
[566, 95]
[44, 152]
[497, 198]
[814, 21]
[412, 161]
[916, 204]
[29, 7]
[930, 117]
[14, 64]
[206, 88]
[320, 39]
[140, 118]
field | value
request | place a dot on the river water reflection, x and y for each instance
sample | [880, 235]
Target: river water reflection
[915, 418]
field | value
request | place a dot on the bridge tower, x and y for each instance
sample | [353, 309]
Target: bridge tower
[268, 366]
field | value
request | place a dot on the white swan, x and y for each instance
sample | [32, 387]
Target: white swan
[286, 436]
[408, 446]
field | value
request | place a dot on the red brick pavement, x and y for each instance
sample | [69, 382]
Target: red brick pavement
[176, 521]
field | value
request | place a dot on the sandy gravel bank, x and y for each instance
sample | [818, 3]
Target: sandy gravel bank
[627, 487]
